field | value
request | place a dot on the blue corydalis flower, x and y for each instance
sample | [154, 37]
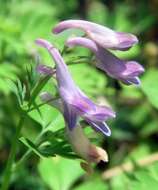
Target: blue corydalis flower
[103, 36]
[126, 71]
[76, 103]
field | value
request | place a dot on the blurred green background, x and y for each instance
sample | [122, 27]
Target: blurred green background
[135, 129]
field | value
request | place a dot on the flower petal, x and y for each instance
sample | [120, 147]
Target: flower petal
[126, 71]
[126, 40]
[133, 69]
[62, 73]
[103, 36]
[87, 109]
[134, 80]
[100, 127]
[69, 115]
[80, 41]
[45, 70]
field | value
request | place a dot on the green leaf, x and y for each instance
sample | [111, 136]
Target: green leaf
[59, 173]
[4, 86]
[38, 88]
[139, 152]
[144, 181]
[48, 117]
[149, 86]
[58, 148]
[149, 129]
[8, 73]
[130, 54]
[90, 80]
[131, 91]
[98, 13]
[95, 184]
[19, 89]
[55, 143]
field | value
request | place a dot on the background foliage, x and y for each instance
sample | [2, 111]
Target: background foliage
[135, 130]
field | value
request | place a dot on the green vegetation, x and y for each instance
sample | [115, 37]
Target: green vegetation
[42, 137]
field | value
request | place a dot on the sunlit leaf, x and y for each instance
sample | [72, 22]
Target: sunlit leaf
[149, 86]
[59, 173]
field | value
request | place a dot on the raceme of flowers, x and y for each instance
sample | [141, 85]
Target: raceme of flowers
[73, 102]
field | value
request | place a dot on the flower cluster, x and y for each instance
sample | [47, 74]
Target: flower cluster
[73, 103]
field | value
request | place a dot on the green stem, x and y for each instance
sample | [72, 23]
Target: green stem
[8, 169]
[42, 104]
[27, 153]
[79, 62]
[7, 172]
[22, 159]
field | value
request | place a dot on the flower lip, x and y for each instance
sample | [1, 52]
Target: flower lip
[87, 109]
[133, 69]
[101, 114]
[103, 36]
[100, 127]
[126, 40]
[134, 80]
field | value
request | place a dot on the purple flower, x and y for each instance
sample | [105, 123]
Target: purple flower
[76, 104]
[126, 71]
[45, 70]
[78, 140]
[103, 36]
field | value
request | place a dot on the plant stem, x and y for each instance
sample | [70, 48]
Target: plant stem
[42, 104]
[8, 169]
[22, 159]
[27, 153]
[7, 172]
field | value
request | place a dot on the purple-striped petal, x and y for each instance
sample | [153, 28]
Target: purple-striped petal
[103, 36]
[126, 71]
